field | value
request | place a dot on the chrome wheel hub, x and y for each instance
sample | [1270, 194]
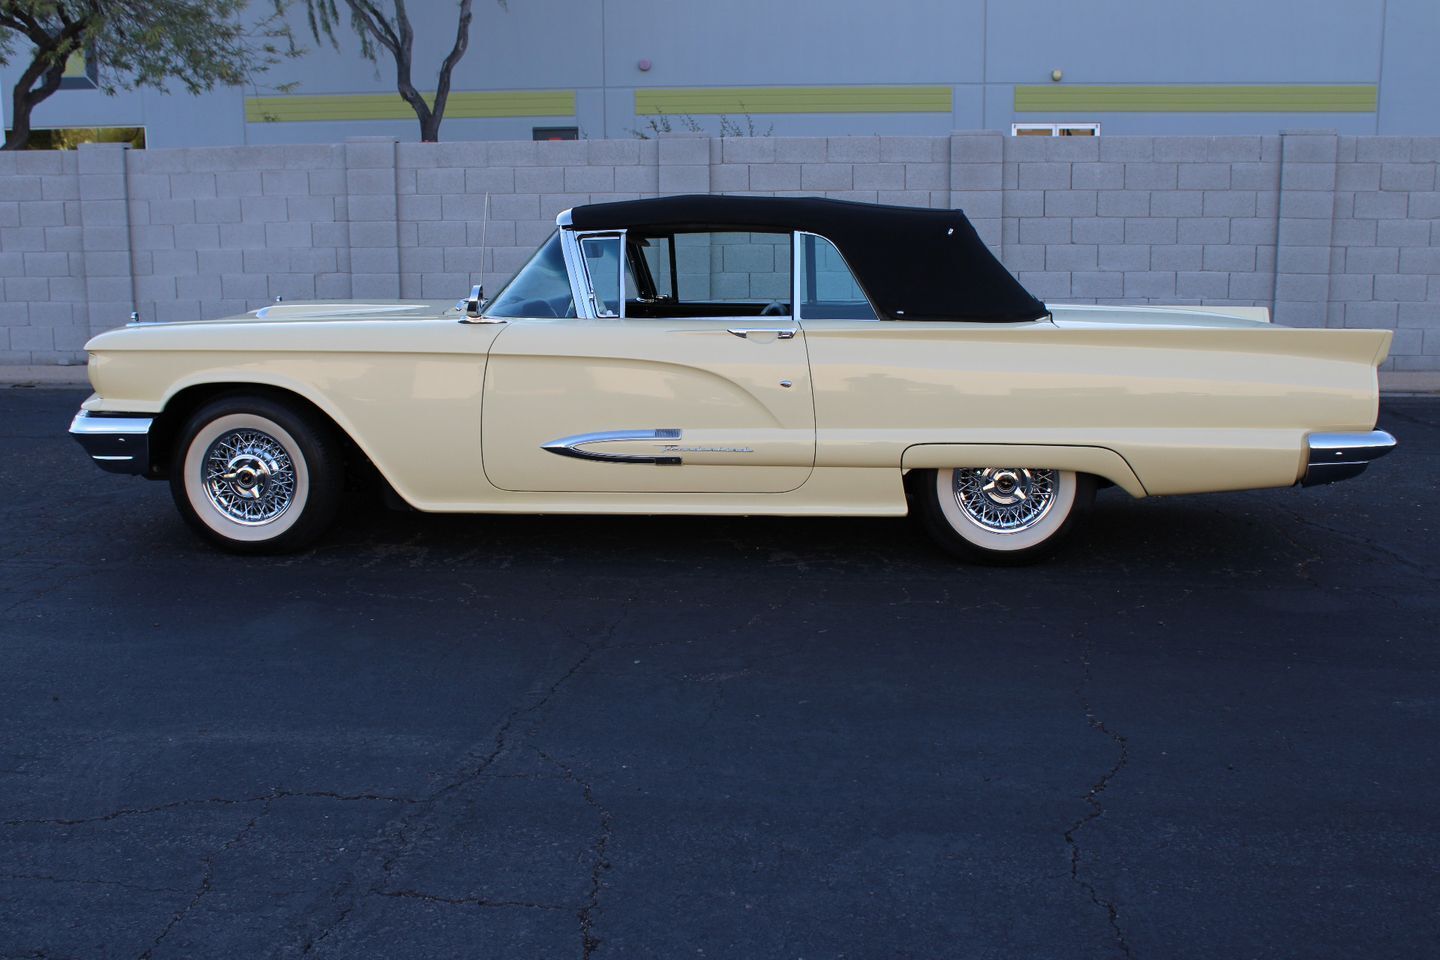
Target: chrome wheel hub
[249, 477]
[1005, 499]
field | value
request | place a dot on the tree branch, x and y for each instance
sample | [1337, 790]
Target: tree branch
[462, 43]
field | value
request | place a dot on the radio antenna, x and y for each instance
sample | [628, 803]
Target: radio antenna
[484, 240]
[472, 304]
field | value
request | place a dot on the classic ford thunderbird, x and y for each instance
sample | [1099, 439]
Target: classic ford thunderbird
[727, 355]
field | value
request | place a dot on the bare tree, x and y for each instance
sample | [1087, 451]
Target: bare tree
[386, 25]
[134, 43]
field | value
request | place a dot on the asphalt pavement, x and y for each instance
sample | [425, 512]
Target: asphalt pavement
[1209, 728]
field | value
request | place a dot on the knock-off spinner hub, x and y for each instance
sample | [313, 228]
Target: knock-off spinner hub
[1006, 486]
[248, 475]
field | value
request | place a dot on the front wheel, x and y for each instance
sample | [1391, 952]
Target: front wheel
[255, 476]
[1001, 515]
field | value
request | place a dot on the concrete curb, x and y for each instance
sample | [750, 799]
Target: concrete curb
[50, 375]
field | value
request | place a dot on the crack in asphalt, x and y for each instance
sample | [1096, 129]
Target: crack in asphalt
[41, 592]
[211, 801]
[1392, 411]
[502, 735]
[206, 882]
[1092, 799]
[46, 878]
[589, 943]
[1425, 571]
[398, 836]
[468, 901]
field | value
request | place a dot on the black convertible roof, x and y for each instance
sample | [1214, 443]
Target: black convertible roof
[915, 264]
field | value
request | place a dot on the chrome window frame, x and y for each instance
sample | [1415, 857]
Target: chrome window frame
[798, 261]
[582, 288]
[581, 284]
[766, 316]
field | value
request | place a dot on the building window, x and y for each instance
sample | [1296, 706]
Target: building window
[80, 73]
[555, 133]
[1055, 129]
[68, 138]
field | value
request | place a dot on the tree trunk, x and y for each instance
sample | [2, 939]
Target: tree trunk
[18, 136]
[430, 128]
[26, 96]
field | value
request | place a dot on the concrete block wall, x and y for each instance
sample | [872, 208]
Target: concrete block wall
[1326, 230]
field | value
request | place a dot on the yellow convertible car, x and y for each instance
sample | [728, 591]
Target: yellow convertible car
[731, 355]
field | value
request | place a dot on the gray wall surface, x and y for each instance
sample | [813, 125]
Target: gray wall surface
[980, 49]
[1328, 230]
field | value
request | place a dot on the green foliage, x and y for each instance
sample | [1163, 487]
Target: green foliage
[197, 44]
[662, 123]
[139, 43]
[68, 138]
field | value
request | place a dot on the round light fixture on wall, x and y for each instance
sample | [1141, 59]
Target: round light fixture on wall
[1056, 75]
[644, 66]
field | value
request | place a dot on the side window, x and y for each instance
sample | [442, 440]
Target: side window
[659, 256]
[734, 267]
[828, 290]
[601, 256]
[715, 273]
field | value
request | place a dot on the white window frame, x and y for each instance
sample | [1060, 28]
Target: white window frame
[1053, 128]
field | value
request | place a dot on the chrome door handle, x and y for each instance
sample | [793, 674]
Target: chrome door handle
[782, 333]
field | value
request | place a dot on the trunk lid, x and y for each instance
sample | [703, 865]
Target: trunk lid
[1084, 315]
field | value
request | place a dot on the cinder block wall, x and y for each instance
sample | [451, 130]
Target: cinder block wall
[1327, 230]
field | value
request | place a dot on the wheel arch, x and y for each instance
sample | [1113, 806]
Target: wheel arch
[184, 399]
[1101, 462]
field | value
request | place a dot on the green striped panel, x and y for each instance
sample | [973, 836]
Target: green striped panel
[389, 106]
[1195, 99]
[743, 100]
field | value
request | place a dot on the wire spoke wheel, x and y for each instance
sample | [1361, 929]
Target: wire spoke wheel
[255, 476]
[1005, 499]
[249, 476]
[1001, 515]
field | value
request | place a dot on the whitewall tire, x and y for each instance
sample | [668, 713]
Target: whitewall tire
[1003, 515]
[255, 476]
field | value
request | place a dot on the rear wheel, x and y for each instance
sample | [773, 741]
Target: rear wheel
[1001, 515]
[255, 476]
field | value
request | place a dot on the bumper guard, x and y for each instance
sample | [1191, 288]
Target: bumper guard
[1340, 456]
[117, 444]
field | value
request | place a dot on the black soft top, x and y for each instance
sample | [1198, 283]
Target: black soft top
[915, 264]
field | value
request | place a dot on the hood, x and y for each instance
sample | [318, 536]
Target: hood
[319, 311]
[1097, 316]
[307, 311]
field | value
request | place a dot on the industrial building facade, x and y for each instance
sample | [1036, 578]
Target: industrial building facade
[608, 69]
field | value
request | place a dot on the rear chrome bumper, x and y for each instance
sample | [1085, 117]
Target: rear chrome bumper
[118, 444]
[1339, 456]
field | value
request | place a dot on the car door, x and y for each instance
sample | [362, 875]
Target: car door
[711, 395]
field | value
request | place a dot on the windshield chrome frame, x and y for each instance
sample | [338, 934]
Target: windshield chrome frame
[581, 285]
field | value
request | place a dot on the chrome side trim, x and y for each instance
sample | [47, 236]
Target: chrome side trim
[571, 446]
[782, 333]
[1339, 456]
[116, 444]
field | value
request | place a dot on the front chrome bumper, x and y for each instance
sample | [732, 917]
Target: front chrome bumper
[118, 444]
[1339, 456]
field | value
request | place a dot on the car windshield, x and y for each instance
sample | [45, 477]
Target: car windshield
[541, 288]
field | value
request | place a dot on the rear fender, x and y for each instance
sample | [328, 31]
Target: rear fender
[1100, 461]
